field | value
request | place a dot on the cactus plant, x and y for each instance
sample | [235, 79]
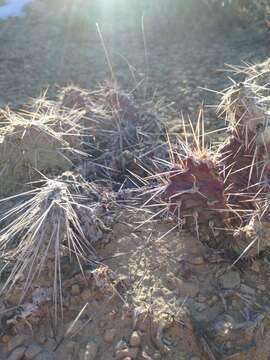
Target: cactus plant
[231, 189]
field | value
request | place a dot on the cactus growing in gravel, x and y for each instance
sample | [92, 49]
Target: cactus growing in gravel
[61, 219]
[122, 136]
[230, 190]
[45, 140]
[193, 191]
[246, 156]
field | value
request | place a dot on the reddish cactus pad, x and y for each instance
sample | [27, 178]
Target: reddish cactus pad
[193, 186]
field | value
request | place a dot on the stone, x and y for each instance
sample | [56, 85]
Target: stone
[15, 342]
[109, 335]
[73, 347]
[181, 287]
[231, 279]
[75, 289]
[91, 351]
[121, 345]
[255, 267]
[32, 351]
[5, 339]
[111, 315]
[135, 339]
[131, 352]
[17, 354]
[86, 295]
[197, 260]
[45, 355]
[248, 290]
[186, 288]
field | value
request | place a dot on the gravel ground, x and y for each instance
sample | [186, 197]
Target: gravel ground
[56, 45]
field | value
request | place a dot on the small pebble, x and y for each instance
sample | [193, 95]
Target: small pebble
[91, 351]
[75, 289]
[86, 294]
[135, 339]
[231, 279]
[45, 355]
[17, 354]
[32, 351]
[15, 341]
[197, 260]
[5, 339]
[109, 335]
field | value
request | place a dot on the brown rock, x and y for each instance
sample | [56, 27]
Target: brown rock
[109, 335]
[197, 260]
[5, 339]
[17, 354]
[184, 288]
[75, 289]
[131, 352]
[86, 295]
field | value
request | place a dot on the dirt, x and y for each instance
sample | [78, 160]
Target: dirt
[58, 43]
[158, 293]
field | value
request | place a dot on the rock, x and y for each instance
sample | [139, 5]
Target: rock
[181, 287]
[121, 345]
[131, 352]
[45, 355]
[73, 347]
[91, 351]
[17, 354]
[32, 351]
[146, 356]
[109, 335]
[135, 339]
[255, 267]
[86, 295]
[223, 327]
[15, 342]
[197, 260]
[248, 290]
[231, 279]
[5, 339]
[42, 339]
[111, 315]
[75, 289]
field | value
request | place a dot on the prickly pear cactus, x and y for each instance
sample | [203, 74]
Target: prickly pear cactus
[232, 191]
[194, 194]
